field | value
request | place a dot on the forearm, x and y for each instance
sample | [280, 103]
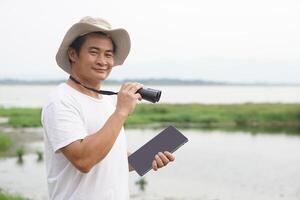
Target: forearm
[84, 154]
[95, 147]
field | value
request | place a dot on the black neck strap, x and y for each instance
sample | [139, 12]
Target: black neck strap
[92, 89]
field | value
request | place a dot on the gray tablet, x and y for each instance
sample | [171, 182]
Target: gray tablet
[170, 139]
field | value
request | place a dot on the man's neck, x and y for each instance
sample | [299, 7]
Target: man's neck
[84, 90]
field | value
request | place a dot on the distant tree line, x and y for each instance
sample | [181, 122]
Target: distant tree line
[161, 81]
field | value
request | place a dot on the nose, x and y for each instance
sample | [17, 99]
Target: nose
[101, 60]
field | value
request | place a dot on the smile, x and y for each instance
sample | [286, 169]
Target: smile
[99, 70]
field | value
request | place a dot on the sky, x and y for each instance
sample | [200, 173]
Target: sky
[216, 40]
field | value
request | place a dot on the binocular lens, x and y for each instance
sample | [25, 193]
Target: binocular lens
[149, 94]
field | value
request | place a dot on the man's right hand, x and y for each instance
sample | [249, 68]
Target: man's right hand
[87, 152]
[127, 98]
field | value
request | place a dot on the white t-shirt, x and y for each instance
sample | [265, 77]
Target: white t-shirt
[69, 116]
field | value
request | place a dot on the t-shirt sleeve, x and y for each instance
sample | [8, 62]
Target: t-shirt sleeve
[62, 124]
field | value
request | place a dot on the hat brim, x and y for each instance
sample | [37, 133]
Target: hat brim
[119, 36]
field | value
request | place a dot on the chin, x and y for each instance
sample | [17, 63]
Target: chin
[101, 77]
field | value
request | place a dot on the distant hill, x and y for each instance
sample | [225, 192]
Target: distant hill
[145, 82]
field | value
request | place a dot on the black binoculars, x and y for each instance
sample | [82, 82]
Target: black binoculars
[149, 94]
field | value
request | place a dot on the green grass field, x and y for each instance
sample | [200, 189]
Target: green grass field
[5, 142]
[22, 117]
[274, 116]
[199, 115]
[6, 196]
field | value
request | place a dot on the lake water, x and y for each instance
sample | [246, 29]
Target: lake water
[212, 166]
[35, 96]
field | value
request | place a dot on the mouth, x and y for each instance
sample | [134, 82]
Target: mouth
[99, 70]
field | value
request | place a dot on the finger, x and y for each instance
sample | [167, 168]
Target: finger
[164, 158]
[124, 86]
[154, 165]
[135, 87]
[138, 96]
[159, 161]
[139, 86]
[169, 156]
[130, 86]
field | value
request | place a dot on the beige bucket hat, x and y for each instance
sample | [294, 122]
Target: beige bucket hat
[87, 25]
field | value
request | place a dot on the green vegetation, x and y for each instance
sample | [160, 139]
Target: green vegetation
[142, 184]
[40, 156]
[199, 115]
[6, 196]
[5, 142]
[20, 153]
[241, 116]
[22, 117]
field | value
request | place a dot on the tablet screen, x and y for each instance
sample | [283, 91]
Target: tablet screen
[170, 139]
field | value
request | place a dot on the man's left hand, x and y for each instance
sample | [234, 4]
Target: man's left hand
[161, 160]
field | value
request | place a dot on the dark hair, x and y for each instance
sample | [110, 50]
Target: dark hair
[78, 42]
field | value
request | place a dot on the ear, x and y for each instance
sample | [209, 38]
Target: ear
[72, 55]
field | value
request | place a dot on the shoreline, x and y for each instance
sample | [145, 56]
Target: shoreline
[202, 116]
[23, 124]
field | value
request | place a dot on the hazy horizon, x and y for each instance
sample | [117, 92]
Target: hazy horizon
[156, 81]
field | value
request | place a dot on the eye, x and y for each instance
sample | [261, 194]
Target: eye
[93, 52]
[109, 55]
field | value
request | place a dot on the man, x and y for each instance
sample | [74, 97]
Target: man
[85, 145]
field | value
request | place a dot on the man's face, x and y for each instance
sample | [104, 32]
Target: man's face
[95, 60]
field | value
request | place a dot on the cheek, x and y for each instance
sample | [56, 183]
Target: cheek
[111, 63]
[90, 58]
[109, 70]
[86, 60]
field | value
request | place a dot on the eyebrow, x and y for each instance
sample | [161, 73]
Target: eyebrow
[98, 49]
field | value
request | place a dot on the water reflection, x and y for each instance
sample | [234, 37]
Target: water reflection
[142, 184]
[212, 165]
[27, 179]
[218, 165]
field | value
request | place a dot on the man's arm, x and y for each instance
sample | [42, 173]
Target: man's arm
[84, 154]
